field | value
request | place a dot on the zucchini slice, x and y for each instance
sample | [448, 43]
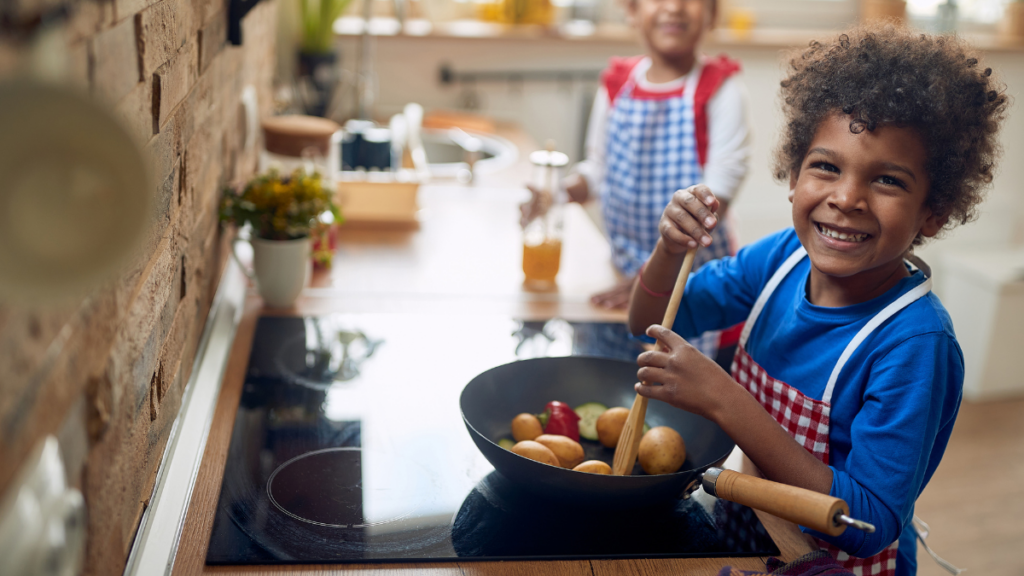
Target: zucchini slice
[588, 414]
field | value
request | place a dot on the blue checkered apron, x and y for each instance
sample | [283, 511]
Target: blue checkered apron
[651, 152]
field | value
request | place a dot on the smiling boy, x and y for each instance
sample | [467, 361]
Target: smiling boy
[858, 204]
[848, 376]
[665, 120]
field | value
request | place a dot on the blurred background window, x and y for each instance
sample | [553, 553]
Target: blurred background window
[976, 11]
[939, 15]
[789, 14]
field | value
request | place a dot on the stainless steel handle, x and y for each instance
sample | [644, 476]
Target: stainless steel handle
[858, 524]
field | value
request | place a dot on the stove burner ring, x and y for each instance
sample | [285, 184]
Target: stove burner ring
[324, 488]
[337, 360]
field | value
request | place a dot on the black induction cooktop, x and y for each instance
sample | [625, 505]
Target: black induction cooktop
[348, 446]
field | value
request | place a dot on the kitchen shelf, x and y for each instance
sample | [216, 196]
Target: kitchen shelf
[579, 31]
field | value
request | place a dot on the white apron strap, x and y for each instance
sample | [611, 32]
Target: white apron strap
[690, 88]
[897, 305]
[766, 293]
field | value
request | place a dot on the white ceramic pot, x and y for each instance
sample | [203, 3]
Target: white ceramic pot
[281, 269]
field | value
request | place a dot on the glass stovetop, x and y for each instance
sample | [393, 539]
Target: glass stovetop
[348, 446]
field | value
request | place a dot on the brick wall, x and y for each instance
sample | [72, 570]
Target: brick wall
[106, 373]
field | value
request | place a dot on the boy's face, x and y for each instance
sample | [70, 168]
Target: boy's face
[859, 199]
[672, 28]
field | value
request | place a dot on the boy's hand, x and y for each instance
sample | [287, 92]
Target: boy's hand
[688, 379]
[688, 218]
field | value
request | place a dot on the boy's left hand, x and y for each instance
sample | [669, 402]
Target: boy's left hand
[688, 379]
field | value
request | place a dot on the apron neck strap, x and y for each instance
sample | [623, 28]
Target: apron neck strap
[887, 312]
[769, 288]
[689, 86]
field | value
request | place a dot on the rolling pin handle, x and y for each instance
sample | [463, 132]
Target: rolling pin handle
[794, 504]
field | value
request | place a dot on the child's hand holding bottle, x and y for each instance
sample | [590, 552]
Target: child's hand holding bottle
[540, 200]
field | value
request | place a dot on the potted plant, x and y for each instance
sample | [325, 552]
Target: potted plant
[317, 56]
[285, 214]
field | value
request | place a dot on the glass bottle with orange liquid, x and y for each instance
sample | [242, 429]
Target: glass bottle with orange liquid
[542, 235]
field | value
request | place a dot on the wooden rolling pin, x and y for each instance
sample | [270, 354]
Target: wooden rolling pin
[815, 510]
[629, 441]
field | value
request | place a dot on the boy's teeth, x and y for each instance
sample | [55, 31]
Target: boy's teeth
[841, 235]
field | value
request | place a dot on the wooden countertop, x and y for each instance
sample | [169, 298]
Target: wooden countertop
[465, 257]
[192, 548]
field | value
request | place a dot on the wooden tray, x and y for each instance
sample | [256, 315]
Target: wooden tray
[378, 199]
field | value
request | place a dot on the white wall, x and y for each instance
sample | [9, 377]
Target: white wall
[407, 69]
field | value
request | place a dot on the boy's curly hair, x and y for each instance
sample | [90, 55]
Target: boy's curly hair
[884, 74]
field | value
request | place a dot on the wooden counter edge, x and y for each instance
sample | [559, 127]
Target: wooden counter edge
[195, 535]
[191, 555]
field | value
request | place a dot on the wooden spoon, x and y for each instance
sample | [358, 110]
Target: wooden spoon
[629, 442]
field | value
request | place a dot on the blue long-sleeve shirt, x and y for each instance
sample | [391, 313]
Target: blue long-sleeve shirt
[896, 399]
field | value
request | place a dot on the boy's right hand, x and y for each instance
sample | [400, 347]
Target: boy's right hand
[688, 218]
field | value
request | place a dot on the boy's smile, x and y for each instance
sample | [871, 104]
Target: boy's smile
[858, 205]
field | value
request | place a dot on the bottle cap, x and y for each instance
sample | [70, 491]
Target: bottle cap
[549, 158]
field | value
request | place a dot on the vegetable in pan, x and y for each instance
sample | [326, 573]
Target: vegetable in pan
[662, 451]
[594, 467]
[562, 420]
[535, 451]
[526, 427]
[609, 426]
[552, 437]
[568, 451]
[589, 413]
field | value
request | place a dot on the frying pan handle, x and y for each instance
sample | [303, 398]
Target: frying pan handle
[798, 505]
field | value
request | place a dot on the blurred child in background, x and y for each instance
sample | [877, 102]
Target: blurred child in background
[663, 121]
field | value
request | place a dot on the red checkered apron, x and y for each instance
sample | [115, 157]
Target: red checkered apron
[806, 419]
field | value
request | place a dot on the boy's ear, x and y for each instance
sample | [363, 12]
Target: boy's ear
[933, 224]
[793, 174]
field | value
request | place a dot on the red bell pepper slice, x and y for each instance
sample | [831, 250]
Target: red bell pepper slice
[561, 419]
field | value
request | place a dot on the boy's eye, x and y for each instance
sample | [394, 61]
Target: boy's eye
[825, 166]
[891, 181]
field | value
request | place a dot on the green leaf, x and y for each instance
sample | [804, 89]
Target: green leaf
[317, 23]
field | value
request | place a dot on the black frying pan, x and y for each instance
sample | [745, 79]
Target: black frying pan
[492, 399]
